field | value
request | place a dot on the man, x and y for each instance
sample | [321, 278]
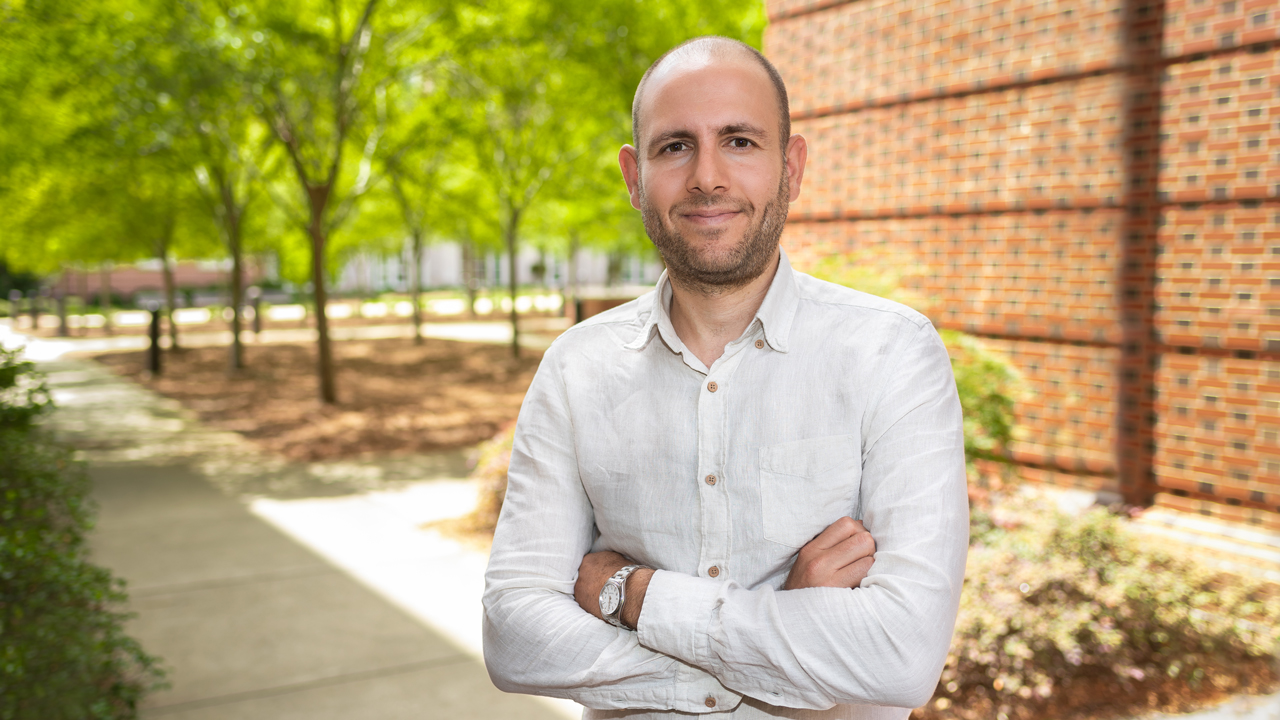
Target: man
[740, 434]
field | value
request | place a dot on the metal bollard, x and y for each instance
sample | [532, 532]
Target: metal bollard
[153, 351]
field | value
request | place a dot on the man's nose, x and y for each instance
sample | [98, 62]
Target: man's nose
[709, 172]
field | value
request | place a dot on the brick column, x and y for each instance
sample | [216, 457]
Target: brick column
[1139, 350]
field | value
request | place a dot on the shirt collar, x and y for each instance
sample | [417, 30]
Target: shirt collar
[775, 315]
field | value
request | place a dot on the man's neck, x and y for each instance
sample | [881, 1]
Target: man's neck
[707, 322]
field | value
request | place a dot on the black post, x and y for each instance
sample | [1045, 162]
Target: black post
[153, 352]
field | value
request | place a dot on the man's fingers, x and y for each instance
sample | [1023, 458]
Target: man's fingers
[851, 576]
[851, 550]
[837, 532]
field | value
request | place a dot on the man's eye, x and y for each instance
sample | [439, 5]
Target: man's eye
[740, 143]
[675, 147]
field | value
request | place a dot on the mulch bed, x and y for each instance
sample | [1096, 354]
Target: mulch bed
[394, 396]
[1102, 698]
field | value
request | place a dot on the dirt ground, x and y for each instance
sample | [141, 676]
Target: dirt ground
[394, 397]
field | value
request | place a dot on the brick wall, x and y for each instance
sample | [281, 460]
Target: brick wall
[1093, 187]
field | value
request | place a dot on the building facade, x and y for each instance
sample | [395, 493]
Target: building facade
[1093, 187]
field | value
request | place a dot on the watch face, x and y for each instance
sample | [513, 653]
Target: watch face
[609, 599]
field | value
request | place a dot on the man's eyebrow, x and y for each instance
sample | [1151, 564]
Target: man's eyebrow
[744, 129]
[661, 139]
[754, 131]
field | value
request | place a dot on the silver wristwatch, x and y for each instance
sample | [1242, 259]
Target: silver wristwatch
[614, 594]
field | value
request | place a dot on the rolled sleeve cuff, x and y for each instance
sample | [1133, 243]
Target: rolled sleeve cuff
[689, 694]
[675, 620]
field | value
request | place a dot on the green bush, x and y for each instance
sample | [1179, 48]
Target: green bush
[63, 652]
[492, 458]
[1057, 609]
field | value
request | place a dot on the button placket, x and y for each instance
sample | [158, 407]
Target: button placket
[716, 546]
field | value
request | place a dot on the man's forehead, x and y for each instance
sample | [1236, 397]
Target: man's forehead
[703, 90]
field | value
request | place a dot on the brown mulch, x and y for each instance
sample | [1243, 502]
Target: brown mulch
[394, 397]
[1103, 698]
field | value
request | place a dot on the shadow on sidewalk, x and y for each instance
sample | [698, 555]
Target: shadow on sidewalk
[250, 623]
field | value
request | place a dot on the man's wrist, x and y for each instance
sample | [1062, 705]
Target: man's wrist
[636, 585]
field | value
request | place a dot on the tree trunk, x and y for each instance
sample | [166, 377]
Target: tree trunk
[235, 360]
[104, 298]
[513, 220]
[319, 197]
[415, 288]
[84, 300]
[572, 284]
[232, 221]
[61, 297]
[469, 275]
[170, 297]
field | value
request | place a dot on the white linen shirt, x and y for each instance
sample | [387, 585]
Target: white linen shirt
[831, 403]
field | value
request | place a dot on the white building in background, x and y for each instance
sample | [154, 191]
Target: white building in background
[442, 267]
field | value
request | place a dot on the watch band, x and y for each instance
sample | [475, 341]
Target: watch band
[619, 580]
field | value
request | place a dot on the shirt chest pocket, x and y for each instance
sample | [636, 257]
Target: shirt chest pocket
[806, 485]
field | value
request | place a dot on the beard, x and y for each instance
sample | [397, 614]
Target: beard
[713, 274]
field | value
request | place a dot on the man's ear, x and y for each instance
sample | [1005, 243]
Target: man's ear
[629, 162]
[797, 154]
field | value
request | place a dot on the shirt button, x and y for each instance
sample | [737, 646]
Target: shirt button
[759, 344]
[713, 571]
[712, 386]
[711, 479]
[711, 702]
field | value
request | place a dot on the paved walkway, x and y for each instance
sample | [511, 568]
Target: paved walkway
[252, 623]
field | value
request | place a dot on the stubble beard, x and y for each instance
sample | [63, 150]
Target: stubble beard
[714, 275]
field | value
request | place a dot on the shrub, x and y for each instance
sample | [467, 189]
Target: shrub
[63, 652]
[490, 473]
[1060, 613]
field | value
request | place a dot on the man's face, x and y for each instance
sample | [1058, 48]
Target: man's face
[709, 176]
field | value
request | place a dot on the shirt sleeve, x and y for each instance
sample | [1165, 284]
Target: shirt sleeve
[885, 642]
[536, 638]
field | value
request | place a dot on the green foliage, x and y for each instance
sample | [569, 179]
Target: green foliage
[23, 394]
[986, 384]
[63, 652]
[1052, 600]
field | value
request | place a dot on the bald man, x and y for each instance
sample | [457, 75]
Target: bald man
[742, 493]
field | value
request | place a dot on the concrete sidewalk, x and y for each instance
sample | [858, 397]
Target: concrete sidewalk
[251, 623]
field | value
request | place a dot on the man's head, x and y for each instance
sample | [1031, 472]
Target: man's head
[714, 166]
[714, 46]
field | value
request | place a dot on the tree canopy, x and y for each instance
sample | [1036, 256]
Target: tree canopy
[317, 128]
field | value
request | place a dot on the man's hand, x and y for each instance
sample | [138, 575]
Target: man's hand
[598, 567]
[841, 556]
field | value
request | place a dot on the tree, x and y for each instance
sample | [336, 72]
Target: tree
[417, 166]
[319, 79]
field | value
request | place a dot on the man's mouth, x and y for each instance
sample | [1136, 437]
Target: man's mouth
[711, 216]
